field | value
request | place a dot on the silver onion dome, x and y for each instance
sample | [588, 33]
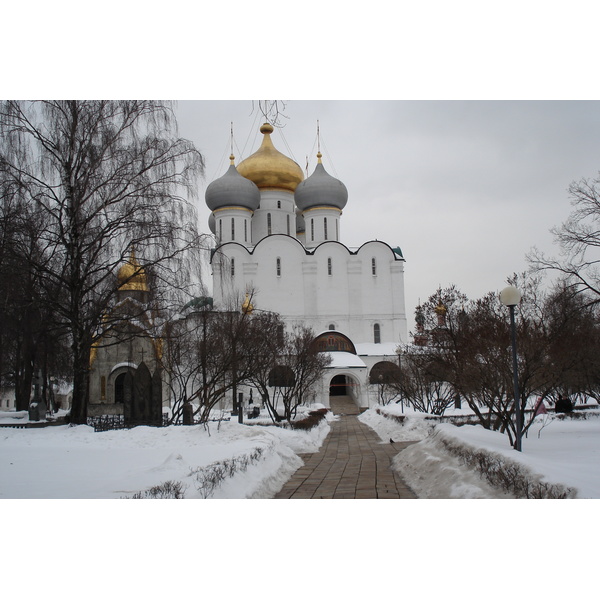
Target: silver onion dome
[232, 190]
[321, 189]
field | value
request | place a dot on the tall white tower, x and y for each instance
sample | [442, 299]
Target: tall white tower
[232, 200]
[321, 199]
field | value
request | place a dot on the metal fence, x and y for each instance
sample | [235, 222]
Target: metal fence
[111, 422]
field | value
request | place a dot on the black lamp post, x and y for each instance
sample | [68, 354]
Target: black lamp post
[510, 297]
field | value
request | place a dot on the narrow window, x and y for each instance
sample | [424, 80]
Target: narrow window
[377, 333]
[268, 223]
[232, 267]
[288, 224]
[312, 230]
[325, 227]
[373, 266]
[278, 267]
[337, 230]
[220, 229]
[245, 230]
[103, 388]
[331, 327]
[329, 267]
[232, 228]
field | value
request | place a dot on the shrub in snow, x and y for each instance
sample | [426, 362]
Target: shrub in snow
[173, 490]
[312, 420]
[503, 473]
[209, 478]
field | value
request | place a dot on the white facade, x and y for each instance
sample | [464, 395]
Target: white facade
[329, 287]
[295, 265]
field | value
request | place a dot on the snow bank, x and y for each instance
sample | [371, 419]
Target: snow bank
[559, 457]
[426, 467]
[65, 462]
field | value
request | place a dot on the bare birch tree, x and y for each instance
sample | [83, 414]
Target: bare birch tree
[102, 178]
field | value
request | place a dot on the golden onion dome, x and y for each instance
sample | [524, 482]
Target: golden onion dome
[440, 309]
[131, 276]
[247, 307]
[270, 169]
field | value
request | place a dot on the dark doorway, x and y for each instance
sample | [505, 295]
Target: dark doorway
[120, 389]
[339, 386]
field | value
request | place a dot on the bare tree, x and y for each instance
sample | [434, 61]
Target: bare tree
[579, 241]
[272, 111]
[424, 383]
[102, 178]
[287, 365]
[469, 350]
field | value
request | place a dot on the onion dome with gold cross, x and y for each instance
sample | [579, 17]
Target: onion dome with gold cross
[232, 190]
[131, 276]
[268, 168]
[321, 189]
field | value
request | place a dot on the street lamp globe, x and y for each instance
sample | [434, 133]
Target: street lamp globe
[510, 296]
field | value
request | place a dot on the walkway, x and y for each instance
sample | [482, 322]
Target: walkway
[352, 463]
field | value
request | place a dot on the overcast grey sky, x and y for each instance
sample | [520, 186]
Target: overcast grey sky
[465, 188]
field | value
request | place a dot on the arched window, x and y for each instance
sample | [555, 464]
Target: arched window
[331, 327]
[288, 224]
[278, 267]
[245, 230]
[232, 228]
[233, 267]
[220, 229]
[384, 372]
[268, 223]
[312, 230]
[329, 267]
[325, 228]
[377, 333]
[373, 266]
[281, 376]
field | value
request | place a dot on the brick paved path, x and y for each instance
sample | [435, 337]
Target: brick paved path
[353, 463]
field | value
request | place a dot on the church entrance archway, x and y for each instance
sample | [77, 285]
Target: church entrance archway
[339, 386]
[344, 394]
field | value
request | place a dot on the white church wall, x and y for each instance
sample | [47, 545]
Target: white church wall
[328, 286]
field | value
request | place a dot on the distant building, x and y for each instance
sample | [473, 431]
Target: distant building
[125, 377]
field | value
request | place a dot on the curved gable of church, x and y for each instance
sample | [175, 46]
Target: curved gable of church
[396, 253]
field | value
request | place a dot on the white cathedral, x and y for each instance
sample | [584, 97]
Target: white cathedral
[278, 234]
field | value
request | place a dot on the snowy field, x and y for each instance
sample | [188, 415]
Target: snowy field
[556, 451]
[62, 462]
[342, 548]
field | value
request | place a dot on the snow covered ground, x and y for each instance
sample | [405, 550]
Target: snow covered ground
[264, 549]
[556, 451]
[65, 462]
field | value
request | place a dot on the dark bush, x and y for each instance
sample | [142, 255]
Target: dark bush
[313, 419]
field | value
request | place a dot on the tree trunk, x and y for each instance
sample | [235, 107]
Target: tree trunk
[24, 371]
[81, 363]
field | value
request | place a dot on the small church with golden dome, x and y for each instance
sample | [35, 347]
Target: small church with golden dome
[125, 377]
[278, 235]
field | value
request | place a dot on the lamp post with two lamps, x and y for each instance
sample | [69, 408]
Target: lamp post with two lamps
[511, 296]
